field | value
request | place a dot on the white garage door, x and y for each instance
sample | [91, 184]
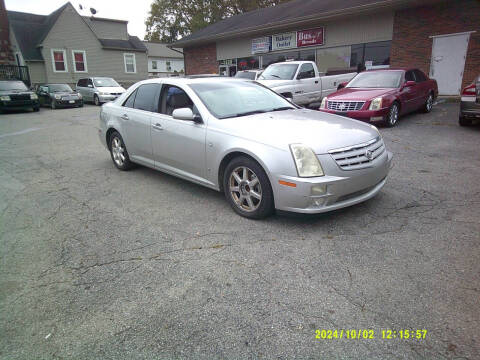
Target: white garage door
[448, 61]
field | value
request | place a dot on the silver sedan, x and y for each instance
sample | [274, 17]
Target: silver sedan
[243, 139]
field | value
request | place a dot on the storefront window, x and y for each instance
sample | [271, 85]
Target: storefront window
[268, 59]
[248, 63]
[376, 52]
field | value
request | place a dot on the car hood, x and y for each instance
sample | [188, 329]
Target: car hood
[64, 93]
[274, 83]
[318, 130]
[359, 93]
[112, 89]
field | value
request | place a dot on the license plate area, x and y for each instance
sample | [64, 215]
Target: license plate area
[71, 101]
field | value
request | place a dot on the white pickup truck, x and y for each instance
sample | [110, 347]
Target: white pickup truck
[301, 81]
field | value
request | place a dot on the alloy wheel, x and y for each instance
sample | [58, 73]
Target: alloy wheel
[245, 188]
[393, 115]
[118, 151]
[429, 103]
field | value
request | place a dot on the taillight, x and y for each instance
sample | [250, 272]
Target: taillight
[470, 90]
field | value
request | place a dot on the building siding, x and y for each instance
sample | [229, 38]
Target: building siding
[108, 29]
[175, 64]
[6, 54]
[37, 72]
[412, 45]
[100, 62]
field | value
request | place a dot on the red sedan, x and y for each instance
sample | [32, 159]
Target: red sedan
[383, 95]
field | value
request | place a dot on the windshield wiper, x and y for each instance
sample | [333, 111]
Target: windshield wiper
[283, 108]
[245, 114]
[278, 77]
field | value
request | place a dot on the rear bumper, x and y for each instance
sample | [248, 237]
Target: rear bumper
[362, 115]
[351, 188]
[470, 108]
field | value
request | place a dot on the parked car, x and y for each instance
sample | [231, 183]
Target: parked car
[382, 96]
[301, 81]
[58, 95]
[470, 103]
[14, 94]
[99, 89]
[248, 74]
[243, 139]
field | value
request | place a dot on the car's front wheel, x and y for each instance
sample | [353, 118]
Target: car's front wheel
[119, 152]
[248, 189]
[393, 114]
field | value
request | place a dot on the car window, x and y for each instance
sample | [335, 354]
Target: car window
[43, 88]
[81, 82]
[376, 79]
[89, 82]
[174, 98]
[419, 75]
[147, 97]
[306, 71]
[131, 100]
[409, 76]
[12, 85]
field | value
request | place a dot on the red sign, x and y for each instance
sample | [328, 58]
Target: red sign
[310, 37]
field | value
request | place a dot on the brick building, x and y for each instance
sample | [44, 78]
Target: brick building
[6, 55]
[441, 37]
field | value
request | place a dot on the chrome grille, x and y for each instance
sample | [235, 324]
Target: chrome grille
[20, 97]
[358, 156]
[344, 105]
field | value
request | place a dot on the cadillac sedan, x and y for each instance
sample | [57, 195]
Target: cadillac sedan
[243, 139]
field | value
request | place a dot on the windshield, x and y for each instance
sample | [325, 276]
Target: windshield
[12, 85]
[105, 82]
[245, 75]
[59, 87]
[279, 72]
[228, 99]
[376, 79]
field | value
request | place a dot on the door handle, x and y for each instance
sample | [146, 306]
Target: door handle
[124, 117]
[157, 126]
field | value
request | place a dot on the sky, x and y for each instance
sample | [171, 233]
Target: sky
[135, 11]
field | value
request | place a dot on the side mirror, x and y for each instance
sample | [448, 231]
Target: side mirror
[342, 85]
[409, 84]
[186, 114]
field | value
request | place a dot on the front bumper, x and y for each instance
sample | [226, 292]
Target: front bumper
[18, 104]
[106, 98]
[68, 103]
[362, 115]
[345, 188]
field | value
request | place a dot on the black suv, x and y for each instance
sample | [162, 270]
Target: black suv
[15, 95]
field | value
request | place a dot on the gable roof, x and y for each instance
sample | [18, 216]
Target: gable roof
[156, 49]
[31, 29]
[286, 14]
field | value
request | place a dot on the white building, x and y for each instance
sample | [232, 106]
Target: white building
[163, 61]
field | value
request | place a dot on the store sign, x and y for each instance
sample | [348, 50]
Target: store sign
[284, 41]
[261, 45]
[310, 37]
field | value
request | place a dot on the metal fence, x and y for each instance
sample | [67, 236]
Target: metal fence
[14, 72]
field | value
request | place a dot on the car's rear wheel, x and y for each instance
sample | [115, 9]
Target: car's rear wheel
[393, 114]
[96, 100]
[427, 107]
[119, 152]
[464, 121]
[248, 189]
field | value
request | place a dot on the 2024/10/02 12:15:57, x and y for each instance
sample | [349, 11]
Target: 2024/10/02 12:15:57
[388, 334]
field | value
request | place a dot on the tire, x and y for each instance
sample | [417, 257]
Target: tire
[393, 115]
[96, 100]
[247, 188]
[464, 121]
[118, 152]
[427, 107]
[53, 105]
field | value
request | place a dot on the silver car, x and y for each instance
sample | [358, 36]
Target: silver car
[99, 89]
[242, 138]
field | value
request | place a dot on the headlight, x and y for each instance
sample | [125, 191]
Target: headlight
[33, 96]
[5, 98]
[376, 104]
[58, 97]
[79, 95]
[324, 103]
[306, 161]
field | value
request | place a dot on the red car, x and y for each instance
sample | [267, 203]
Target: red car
[383, 95]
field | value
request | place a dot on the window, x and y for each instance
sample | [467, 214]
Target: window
[154, 64]
[376, 79]
[82, 83]
[376, 52]
[169, 68]
[174, 98]
[89, 83]
[131, 99]
[249, 63]
[130, 65]
[420, 76]
[147, 97]
[306, 72]
[58, 60]
[409, 76]
[79, 60]
[291, 55]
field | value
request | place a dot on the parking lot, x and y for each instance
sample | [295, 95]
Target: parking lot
[99, 263]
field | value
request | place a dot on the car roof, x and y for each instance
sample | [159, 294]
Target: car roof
[187, 80]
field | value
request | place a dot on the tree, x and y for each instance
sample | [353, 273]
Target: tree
[169, 21]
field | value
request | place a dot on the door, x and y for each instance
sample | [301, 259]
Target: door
[136, 118]
[89, 90]
[409, 94]
[448, 62]
[43, 95]
[178, 145]
[308, 87]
